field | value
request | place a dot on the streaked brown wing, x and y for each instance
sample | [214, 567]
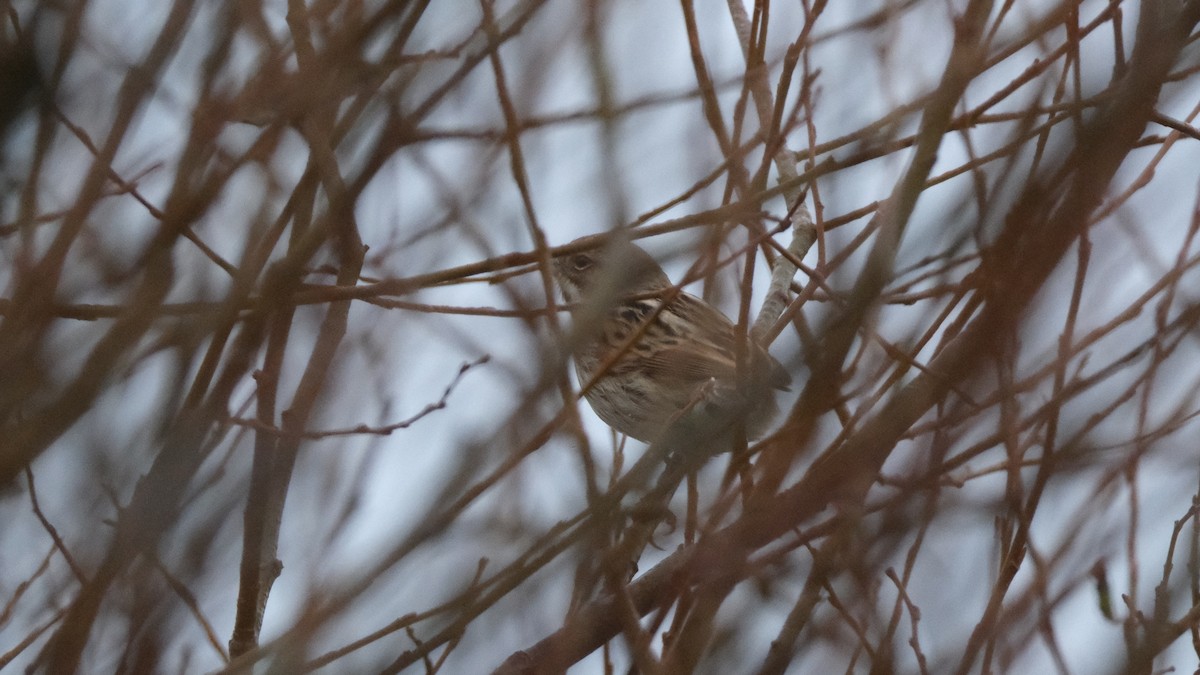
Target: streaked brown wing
[690, 364]
[705, 322]
[714, 328]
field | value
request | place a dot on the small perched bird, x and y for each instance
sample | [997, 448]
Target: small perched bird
[684, 355]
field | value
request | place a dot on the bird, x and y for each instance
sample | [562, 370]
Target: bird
[647, 353]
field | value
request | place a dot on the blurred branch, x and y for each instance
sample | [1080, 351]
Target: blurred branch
[386, 430]
[52, 531]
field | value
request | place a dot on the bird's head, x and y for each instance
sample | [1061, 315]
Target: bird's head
[612, 271]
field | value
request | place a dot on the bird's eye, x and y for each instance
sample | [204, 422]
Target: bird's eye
[581, 261]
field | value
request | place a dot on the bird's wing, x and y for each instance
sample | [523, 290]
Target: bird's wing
[706, 347]
[689, 364]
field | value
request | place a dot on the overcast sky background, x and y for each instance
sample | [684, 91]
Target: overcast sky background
[453, 201]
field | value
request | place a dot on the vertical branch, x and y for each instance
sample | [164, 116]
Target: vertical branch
[275, 458]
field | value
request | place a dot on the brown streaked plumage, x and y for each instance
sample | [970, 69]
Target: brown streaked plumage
[685, 354]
